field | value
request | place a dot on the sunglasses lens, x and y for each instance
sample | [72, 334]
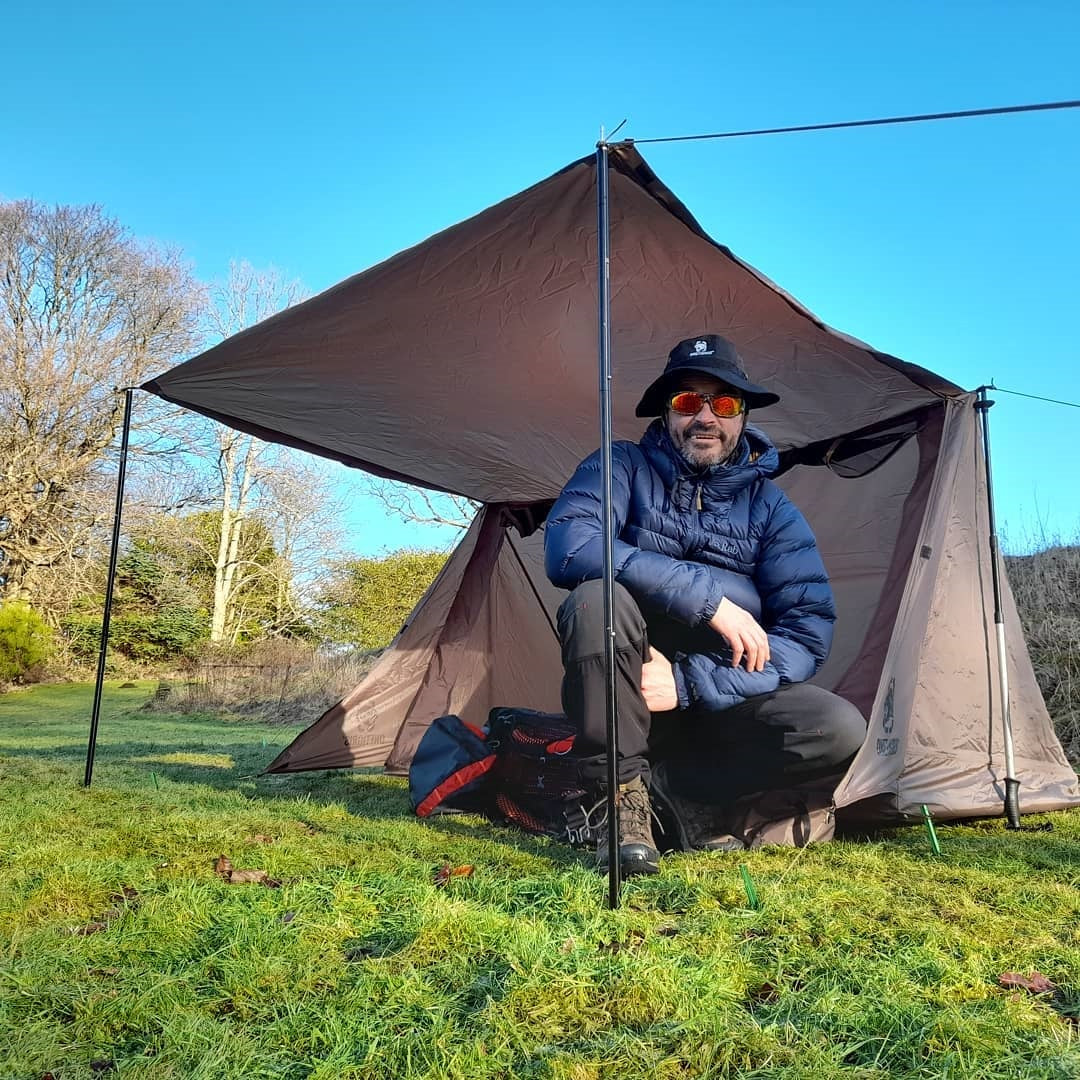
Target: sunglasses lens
[687, 402]
[690, 403]
[726, 406]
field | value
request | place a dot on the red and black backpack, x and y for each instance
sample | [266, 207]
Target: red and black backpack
[520, 769]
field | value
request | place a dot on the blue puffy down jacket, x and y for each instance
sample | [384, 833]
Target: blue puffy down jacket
[687, 538]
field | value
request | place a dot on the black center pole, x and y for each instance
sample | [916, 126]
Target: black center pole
[1012, 784]
[104, 645]
[604, 295]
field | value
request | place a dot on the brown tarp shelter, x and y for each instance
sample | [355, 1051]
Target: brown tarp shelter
[467, 364]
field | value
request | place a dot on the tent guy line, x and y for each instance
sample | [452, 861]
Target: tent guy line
[1034, 397]
[919, 118]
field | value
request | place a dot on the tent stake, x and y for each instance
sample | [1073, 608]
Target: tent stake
[604, 321]
[103, 649]
[1012, 784]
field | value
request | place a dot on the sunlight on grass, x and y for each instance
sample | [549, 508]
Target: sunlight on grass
[122, 951]
[210, 761]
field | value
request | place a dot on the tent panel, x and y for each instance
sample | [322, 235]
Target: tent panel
[935, 728]
[419, 368]
[861, 679]
[863, 531]
[878, 766]
[958, 786]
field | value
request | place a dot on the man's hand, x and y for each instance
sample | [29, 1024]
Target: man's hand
[741, 631]
[658, 683]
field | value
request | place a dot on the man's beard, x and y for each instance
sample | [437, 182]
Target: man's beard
[718, 450]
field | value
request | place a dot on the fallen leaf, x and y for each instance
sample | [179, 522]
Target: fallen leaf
[253, 877]
[94, 927]
[567, 946]
[633, 941]
[102, 1065]
[126, 899]
[258, 838]
[287, 918]
[1035, 983]
[105, 972]
[765, 994]
[224, 869]
[667, 931]
[446, 872]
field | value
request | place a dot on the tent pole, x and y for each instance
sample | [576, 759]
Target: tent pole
[103, 649]
[1012, 785]
[604, 322]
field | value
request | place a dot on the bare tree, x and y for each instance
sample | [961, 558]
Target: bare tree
[255, 478]
[421, 506]
[304, 517]
[84, 309]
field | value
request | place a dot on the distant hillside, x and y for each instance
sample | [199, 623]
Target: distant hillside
[1047, 590]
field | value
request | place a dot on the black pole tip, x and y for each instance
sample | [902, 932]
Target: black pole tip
[1012, 803]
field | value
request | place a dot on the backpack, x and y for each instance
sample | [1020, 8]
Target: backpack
[794, 816]
[519, 769]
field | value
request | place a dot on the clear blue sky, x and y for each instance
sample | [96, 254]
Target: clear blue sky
[323, 137]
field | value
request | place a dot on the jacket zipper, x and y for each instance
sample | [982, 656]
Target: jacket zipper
[697, 497]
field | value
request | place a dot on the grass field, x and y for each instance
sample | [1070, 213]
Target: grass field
[123, 953]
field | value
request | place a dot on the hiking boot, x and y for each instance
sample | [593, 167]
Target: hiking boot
[707, 827]
[696, 826]
[637, 848]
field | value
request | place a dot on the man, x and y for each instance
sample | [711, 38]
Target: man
[722, 605]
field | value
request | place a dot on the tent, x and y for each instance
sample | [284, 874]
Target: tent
[467, 364]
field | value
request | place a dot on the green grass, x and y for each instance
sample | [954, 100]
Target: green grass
[868, 959]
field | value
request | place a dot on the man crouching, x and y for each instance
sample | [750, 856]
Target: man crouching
[723, 608]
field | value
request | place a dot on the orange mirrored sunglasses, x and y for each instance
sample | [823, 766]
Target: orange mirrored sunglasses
[690, 403]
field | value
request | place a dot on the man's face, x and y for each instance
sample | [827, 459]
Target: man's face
[705, 439]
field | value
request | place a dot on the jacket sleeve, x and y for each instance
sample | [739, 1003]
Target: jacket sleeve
[706, 680]
[798, 615]
[574, 547]
[798, 612]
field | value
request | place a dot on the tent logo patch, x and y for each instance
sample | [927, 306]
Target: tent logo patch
[888, 747]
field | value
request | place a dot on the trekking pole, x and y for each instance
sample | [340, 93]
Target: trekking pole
[103, 648]
[1012, 784]
[604, 296]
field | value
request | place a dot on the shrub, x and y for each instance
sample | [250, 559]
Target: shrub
[166, 635]
[1046, 586]
[26, 643]
[278, 680]
[369, 599]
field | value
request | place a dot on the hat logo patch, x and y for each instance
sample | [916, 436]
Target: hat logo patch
[700, 346]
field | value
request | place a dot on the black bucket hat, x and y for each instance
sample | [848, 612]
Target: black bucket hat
[708, 354]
